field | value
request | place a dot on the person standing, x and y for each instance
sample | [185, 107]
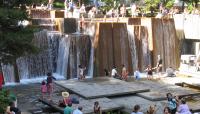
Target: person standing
[123, 10]
[71, 8]
[68, 109]
[43, 89]
[81, 72]
[1, 80]
[133, 10]
[149, 72]
[50, 84]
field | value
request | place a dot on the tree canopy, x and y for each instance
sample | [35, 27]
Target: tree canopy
[15, 37]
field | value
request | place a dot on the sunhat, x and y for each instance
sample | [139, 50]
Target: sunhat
[65, 94]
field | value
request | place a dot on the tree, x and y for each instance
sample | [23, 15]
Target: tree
[110, 4]
[4, 99]
[194, 3]
[15, 37]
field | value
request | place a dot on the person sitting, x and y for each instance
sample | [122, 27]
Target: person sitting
[124, 73]
[66, 100]
[78, 111]
[114, 73]
[166, 110]
[136, 110]
[172, 104]
[137, 74]
[170, 72]
[183, 108]
[97, 108]
[151, 110]
[14, 109]
[68, 109]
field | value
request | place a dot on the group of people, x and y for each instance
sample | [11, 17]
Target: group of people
[68, 101]
[47, 86]
[124, 74]
[137, 74]
[176, 105]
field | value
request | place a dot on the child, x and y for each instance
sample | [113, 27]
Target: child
[81, 73]
[43, 89]
[149, 72]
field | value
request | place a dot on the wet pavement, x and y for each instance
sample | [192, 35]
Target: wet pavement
[28, 95]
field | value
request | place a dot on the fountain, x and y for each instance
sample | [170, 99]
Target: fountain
[134, 42]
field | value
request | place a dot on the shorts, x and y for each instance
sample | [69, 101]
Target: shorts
[50, 87]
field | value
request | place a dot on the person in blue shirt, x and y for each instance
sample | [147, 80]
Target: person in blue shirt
[171, 103]
[137, 74]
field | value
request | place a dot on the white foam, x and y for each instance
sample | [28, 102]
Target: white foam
[34, 80]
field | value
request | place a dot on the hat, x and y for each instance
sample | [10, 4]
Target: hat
[65, 94]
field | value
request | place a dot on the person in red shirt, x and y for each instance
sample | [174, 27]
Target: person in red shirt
[1, 80]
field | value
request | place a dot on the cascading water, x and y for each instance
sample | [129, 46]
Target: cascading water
[63, 54]
[8, 72]
[91, 63]
[132, 47]
[35, 66]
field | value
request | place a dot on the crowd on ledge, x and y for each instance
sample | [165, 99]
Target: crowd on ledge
[122, 10]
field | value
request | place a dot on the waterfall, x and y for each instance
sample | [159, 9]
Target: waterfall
[91, 63]
[132, 47]
[8, 72]
[36, 66]
[63, 54]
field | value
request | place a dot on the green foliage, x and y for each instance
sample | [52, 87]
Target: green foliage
[192, 3]
[4, 100]
[58, 5]
[15, 38]
[110, 4]
[151, 5]
[169, 4]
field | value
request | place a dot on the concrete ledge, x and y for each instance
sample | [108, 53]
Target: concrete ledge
[101, 87]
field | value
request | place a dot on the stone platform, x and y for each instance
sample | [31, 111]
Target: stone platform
[159, 90]
[130, 101]
[101, 87]
[105, 103]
